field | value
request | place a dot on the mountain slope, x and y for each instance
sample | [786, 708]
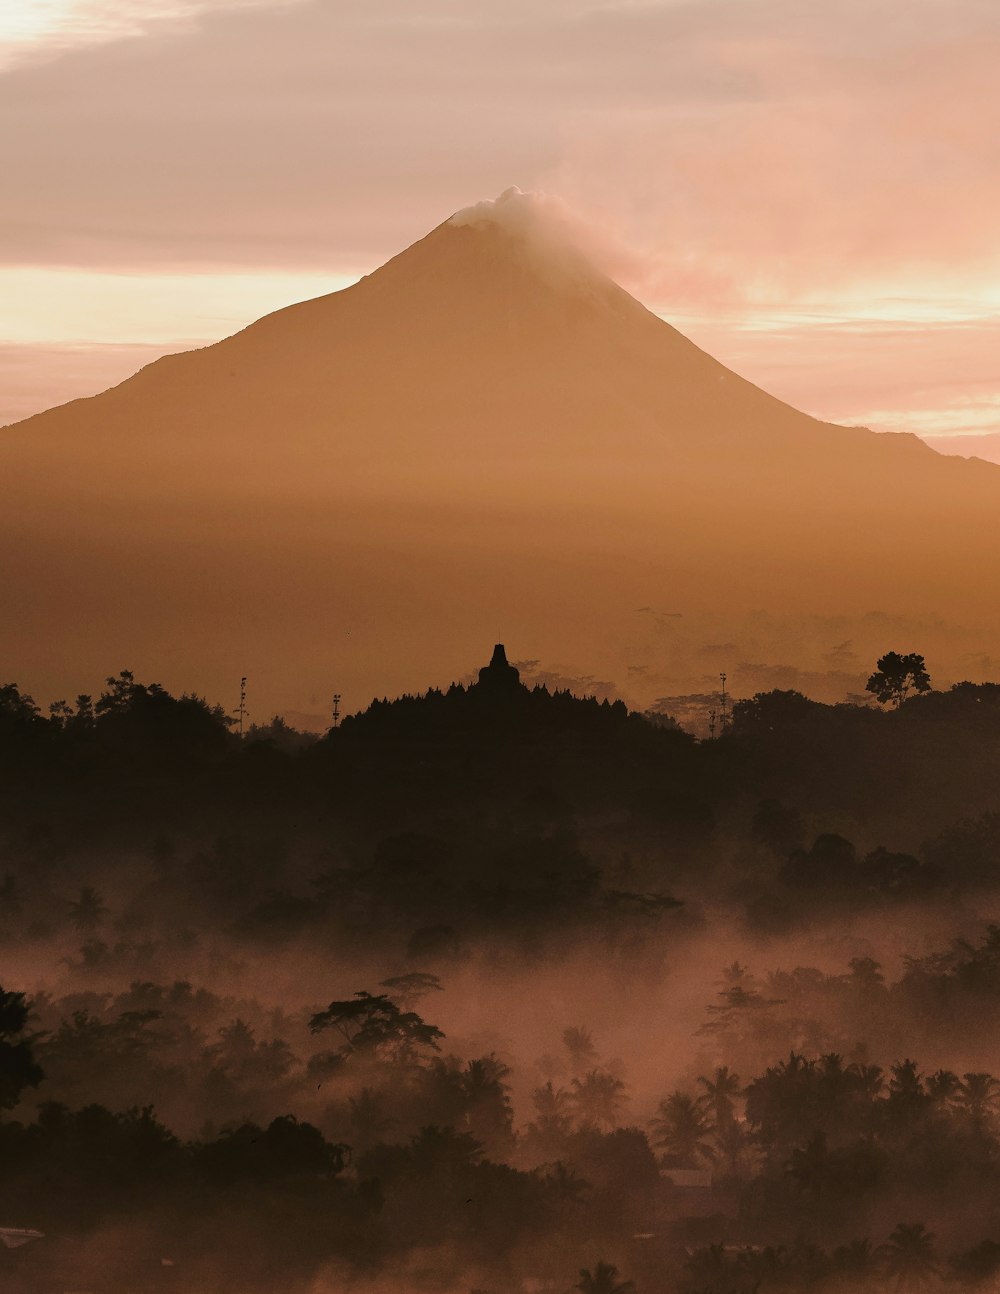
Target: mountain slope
[486, 427]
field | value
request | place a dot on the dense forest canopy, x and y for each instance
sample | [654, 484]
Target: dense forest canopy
[494, 985]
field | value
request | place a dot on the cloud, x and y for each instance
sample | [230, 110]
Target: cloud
[858, 154]
[38, 30]
[745, 148]
[559, 236]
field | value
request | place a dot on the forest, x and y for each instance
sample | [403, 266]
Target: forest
[495, 989]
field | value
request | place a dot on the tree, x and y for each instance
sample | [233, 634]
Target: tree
[598, 1097]
[906, 1087]
[682, 1129]
[943, 1086]
[720, 1095]
[603, 1280]
[895, 676]
[857, 1260]
[16, 706]
[909, 1256]
[553, 1120]
[120, 694]
[579, 1042]
[17, 1063]
[488, 1113]
[374, 1025]
[979, 1095]
[88, 911]
[411, 987]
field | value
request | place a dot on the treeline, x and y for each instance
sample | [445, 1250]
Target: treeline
[199, 1055]
[819, 807]
[822, 1172]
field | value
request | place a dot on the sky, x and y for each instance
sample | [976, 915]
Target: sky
[809, 191]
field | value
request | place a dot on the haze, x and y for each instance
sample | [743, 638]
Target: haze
[570, 379]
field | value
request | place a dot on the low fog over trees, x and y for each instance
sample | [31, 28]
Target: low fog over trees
[493, 986]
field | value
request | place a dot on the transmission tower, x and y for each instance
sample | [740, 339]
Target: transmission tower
[723, 712]
[242, 711]
[336, 710]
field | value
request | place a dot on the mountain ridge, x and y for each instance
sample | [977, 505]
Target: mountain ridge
[482, 421]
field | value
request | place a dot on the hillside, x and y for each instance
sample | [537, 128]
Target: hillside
[486, 432]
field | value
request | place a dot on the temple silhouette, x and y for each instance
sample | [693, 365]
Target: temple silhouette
[499, 676]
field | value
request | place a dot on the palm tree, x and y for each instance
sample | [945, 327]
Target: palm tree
[906, 1088]
[566, 1185]
[682, 1130]
[908, 1256]
[551, 1102]
[810, 1164]
[870, 1080]
[858, 1260]
[603, 1280]
[943, 1086]
[579, 1042]
[598, 1097]
[719, 1096]
[732, 1143]
[88, 911]
[979, 1095]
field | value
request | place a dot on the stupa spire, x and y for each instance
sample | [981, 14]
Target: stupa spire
[499, 674]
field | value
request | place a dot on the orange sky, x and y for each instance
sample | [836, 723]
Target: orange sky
[809, 191]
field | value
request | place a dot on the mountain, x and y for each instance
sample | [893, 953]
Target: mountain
[486, 434]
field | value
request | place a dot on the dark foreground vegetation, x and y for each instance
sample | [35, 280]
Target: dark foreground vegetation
[499, 990]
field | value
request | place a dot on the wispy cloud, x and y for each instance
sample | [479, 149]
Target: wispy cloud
[44, 304]
[35, 30]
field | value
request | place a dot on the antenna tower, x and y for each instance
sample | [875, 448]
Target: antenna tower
[242, 712]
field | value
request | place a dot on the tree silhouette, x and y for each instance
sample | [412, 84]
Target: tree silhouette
[408, 989]
[906, 1087]
[858, 1260]
[17, 1063]
[979, 1096]
[908, 1256]
[943, 1086]
[682, 1128]
[88, 911]
[579, 1042]
[373, 1024]
[603, 1280]
[488, 1112]
[896, 676]
[597, 1098]
[719, 1096]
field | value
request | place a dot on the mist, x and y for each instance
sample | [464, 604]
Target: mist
[620, 995]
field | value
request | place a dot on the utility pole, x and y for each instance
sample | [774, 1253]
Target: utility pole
[242, 711]
[336, 710]
[711, 724]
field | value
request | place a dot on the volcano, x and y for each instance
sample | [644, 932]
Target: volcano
[485, 434]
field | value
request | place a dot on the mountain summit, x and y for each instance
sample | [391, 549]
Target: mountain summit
[485, 424]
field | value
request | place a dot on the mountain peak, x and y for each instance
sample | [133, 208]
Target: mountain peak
[515, 211]
[539, 227]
